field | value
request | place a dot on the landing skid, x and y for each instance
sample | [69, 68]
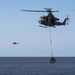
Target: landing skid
[43, 26]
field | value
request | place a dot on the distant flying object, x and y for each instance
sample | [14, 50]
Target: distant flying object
[15, 43]
[50, 20]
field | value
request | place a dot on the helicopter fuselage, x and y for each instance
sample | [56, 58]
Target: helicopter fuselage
[51, 21]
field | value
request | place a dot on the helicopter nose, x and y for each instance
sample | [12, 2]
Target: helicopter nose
[39, 21]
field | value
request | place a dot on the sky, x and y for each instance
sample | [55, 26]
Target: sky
[34, 41]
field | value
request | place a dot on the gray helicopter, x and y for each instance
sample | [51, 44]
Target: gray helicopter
[15, 43]
[50, 20]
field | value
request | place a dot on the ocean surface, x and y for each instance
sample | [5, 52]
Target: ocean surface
[37, 66]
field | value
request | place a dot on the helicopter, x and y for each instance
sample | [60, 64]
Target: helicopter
[49, 20]
[15, 43]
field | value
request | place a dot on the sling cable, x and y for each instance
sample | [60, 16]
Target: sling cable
[52, 60]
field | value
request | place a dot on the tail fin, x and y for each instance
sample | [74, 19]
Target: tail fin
[66, 21]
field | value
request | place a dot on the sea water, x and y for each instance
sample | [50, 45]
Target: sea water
[37, 66]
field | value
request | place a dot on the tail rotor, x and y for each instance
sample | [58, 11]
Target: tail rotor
[67, 20]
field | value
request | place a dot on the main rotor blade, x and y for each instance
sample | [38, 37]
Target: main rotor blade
[39, 11]
[66, 10]
[34, 10]
[47, 10]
